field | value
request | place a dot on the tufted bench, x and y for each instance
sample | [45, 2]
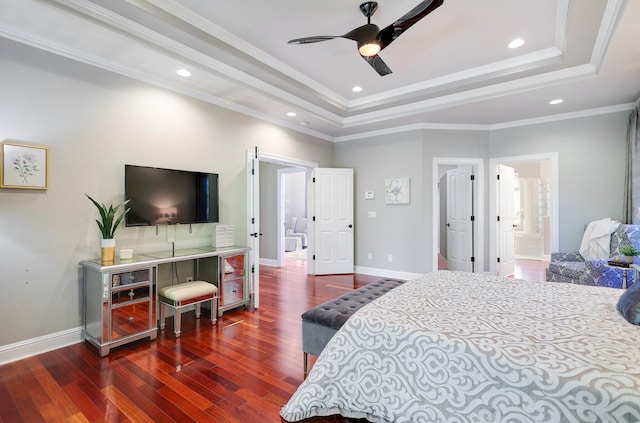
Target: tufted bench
[321, 322]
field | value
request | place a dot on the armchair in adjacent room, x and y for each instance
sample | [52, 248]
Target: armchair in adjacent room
[573, 267]
[297, 228]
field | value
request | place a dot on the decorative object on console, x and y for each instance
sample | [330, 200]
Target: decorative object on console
[108, 226]
[628, 253]
[223, 236]
[24, 166]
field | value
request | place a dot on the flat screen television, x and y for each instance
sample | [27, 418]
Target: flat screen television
[168, 197]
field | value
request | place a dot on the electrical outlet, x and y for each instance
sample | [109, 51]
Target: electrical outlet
[189, 279]
[371, 214]
[390, 258]
[370, 256]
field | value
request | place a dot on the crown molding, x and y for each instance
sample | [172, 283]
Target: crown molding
[612, 15]
[490, 127]
[478, 94]
[492, 70]
[240, 44]
[128, 26]
[564, 116]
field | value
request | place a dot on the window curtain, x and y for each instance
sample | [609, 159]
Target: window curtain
[632, 178]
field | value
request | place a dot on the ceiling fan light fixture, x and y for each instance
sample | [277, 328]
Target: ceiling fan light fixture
[369, 49]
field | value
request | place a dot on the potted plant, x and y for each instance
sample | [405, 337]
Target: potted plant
[628, 253]
[108, 223]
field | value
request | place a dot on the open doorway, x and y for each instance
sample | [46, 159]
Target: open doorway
[526, 223]
[293, 219]
[458, 210]
[283, 210]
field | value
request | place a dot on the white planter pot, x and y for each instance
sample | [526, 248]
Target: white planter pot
[627, 259]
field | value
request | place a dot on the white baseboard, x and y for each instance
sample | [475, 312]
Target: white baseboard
[269, 262]
[386, 273]
[39, 345]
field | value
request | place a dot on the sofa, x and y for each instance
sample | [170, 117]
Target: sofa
[572, 267]
[297, 228]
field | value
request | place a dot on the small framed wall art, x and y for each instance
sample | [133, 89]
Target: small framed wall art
[24, 166]
[396, 191]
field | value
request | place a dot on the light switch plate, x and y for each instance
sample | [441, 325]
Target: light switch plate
[369, 195]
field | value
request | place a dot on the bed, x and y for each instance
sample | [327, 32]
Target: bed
[460, 347]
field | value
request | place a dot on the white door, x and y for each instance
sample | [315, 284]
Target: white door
[253, 227]
[506, 220]
[459, 223]
[332, 221]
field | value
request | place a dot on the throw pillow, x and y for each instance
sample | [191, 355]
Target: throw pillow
[629, 304]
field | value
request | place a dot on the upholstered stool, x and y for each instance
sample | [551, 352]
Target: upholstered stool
[185, 294]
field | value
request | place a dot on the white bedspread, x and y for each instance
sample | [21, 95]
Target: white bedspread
[458, 347]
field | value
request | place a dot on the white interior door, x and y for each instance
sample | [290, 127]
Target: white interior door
[253, 227]
[332, 221]
[459, 223]
[506, 220]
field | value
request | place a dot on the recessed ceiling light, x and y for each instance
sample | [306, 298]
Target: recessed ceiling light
[183, 72]
[356, 89]
[291, 114]
[518, 42]
[556, 101]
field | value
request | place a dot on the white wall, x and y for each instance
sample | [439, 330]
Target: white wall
[93, 122]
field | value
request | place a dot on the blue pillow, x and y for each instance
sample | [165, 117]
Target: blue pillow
[629, 304]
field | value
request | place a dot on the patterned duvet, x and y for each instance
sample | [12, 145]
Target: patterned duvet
[459, 347]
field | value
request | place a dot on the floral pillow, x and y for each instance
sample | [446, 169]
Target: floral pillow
[629, 304]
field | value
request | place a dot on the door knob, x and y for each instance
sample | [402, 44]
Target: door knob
[350, 226]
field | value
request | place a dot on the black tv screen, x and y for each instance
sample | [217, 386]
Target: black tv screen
[168, 197]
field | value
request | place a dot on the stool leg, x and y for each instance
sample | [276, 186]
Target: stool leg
[214, 310]
[198, 310]
[162, 311]
[177, 320]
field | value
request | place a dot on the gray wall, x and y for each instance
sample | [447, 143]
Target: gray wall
[591, 165]
[591, 178]
[93, 122]
[404, 231]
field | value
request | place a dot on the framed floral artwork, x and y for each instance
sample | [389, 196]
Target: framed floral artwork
[24, 166]
[396, 191]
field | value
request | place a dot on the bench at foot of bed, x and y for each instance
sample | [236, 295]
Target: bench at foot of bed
[321, 322]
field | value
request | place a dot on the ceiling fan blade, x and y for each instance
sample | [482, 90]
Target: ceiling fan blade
[388, 34]
[378, 64]
[367, 32]
[316, 39]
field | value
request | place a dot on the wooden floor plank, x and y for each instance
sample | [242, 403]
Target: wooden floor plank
[243, 369]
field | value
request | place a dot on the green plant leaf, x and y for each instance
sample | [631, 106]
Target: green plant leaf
[109, 222]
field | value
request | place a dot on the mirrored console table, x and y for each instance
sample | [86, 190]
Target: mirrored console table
[120, 300]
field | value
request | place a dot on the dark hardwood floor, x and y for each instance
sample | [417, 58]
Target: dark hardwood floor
[241, 370]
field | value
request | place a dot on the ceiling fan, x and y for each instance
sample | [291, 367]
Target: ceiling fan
[371, 39]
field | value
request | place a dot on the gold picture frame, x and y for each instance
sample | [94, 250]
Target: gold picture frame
[24, 166]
